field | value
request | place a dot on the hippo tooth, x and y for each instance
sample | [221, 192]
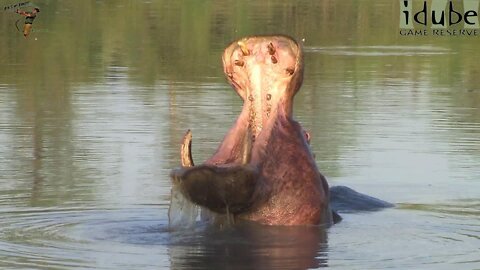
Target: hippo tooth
[244, 48]
[247, 147]
[186, 150]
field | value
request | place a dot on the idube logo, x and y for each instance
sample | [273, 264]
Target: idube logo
[439, 18]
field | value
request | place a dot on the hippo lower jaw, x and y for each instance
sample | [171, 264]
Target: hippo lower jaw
[263, 170]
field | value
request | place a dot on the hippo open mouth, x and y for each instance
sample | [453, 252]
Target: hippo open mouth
[263, 170]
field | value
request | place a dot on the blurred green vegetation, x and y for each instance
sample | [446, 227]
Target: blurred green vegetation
[179, 40]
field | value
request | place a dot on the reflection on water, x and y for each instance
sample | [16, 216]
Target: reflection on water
[85, 237]
[253, 247]
[93, 111]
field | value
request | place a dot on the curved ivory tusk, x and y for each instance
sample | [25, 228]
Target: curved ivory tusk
[186, 150]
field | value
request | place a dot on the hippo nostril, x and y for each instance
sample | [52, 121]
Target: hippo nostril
[269, 96]
[290, 71]
[274, 59]
[250, 97]
[271, 49]
[239, 63]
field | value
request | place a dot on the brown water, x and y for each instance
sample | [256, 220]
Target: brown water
[94, 103]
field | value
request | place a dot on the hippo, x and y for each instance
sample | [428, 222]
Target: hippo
[264, 170]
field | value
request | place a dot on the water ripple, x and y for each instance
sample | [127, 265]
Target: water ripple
[434, 236]
[379, 50]
[78, 237]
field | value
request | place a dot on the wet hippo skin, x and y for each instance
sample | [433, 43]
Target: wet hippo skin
[263, 170]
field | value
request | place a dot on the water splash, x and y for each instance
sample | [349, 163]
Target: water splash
[182, 213]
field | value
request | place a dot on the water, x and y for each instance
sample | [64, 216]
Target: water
[93, 111]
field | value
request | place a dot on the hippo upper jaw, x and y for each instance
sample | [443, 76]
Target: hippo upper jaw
[266, 72]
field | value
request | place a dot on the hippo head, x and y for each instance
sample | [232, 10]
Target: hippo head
[263, 170]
